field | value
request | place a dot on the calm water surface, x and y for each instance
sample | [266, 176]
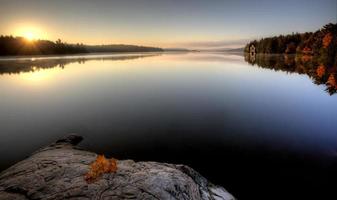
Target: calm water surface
[259, 133]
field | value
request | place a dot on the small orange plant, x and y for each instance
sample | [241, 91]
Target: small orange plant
[99, 167]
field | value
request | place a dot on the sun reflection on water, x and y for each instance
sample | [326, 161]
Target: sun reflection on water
[38, 76]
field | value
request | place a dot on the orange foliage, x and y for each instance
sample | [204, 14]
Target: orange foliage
[306, 58]
[327, 40]
[332, 81]
[320, 71]
[100, 166]
[307, 50]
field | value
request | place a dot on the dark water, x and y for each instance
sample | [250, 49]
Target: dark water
[261, 133]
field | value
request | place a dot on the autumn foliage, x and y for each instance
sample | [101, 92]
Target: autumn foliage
[99, 167]
[307, 50]
[316, 68]
[306, 58]
[332, 81]
[320, 71]
[327, 40]
[321, 44]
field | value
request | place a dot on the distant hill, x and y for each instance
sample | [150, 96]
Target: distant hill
[235, 50]
[224, 50]
[120, 48]
[176, 49]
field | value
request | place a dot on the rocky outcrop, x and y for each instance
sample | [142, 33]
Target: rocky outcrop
[58, 170]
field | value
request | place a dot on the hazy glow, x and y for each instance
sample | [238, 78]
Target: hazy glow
[40, 76]
[29, 36]
[163, 23]
[30, 32]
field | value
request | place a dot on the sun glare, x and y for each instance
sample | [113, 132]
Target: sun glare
[39, 76]
[30, 33]
[29, 36]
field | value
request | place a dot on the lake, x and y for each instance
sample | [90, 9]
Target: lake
[261, 132]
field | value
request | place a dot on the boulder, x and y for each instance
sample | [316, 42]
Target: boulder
[58, 172]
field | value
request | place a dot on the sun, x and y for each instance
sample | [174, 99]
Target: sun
[30, 32]
[30, 36]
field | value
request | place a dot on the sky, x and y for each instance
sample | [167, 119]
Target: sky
[164, 23]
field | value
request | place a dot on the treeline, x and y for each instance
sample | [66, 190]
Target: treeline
[13, 46]
[322, 43]
[10, 45]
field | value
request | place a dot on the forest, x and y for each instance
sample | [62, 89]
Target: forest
[321, 44]
[14, 46]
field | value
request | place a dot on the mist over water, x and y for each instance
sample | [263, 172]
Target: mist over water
[255, 131]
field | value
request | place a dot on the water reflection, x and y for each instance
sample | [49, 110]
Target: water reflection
[32, 64]
[234, 123]
[317, 69]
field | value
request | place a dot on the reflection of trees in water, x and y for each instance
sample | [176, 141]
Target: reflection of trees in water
[315, 68]
[15, 66]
